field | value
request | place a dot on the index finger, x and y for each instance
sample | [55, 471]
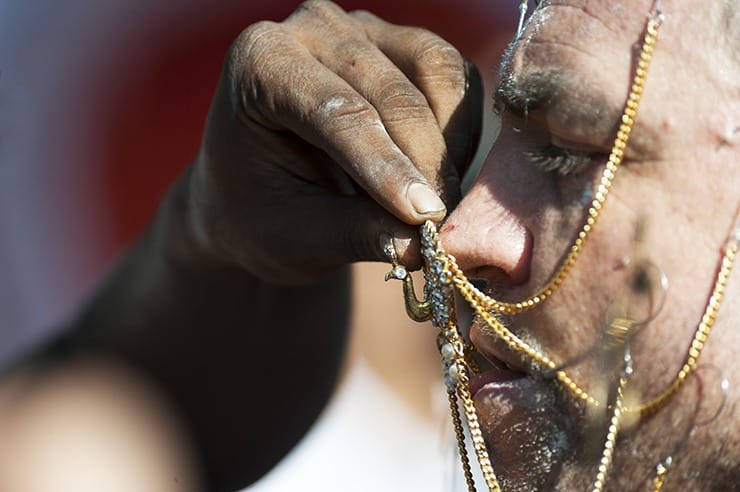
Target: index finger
[280, 84]
[451, 84]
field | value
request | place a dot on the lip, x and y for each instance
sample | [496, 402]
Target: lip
[493, 376]
[521, 416]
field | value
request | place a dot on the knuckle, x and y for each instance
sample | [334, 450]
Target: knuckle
[433, 50]
[364, 15]
[353, 49]
[318, 6]
[401, 101]
[253, 40]
[343, 112]
[252, 51]
[251, 61]
[436, 57]
[323, 10]
[326, 24]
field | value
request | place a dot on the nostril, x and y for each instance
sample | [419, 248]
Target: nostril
[488, 277]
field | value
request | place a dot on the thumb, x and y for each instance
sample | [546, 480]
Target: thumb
[324, 233]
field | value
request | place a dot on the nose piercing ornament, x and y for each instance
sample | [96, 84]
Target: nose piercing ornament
[416, 310]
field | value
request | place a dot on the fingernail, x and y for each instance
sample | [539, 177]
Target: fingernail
[424, 200]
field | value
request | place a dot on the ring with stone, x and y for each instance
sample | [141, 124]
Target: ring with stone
[398, 271]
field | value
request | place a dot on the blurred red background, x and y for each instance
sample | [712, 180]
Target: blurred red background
[103, 103]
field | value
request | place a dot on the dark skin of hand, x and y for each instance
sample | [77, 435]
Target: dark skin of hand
[327, 132]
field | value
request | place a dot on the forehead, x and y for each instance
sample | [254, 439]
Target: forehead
[578, 17]
[573, 40]
[575, 58]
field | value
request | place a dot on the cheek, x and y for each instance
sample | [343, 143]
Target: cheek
[574, 319]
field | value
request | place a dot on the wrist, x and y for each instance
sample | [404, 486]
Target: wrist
[178, 231]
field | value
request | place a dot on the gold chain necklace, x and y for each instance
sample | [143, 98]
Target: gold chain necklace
[443, 277]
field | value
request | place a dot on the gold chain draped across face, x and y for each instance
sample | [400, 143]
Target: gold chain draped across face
[443, 277]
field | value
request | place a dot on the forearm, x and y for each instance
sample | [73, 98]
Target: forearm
[248, 364]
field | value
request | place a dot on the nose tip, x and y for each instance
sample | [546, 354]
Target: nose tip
[488, 240]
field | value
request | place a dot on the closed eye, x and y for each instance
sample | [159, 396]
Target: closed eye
[566, 162]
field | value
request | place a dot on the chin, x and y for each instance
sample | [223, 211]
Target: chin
[534, 429]
[528, 436]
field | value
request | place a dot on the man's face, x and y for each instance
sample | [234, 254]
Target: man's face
[561, 92]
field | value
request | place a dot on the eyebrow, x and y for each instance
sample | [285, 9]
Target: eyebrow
[521, 91]
[521, 94]
[575, 97]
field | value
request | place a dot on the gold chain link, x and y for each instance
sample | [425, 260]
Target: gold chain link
[629, 114]
[477, 437]
[467, 291]
[607, 455]
[450, 334]
[486, 308]
[659, 479]
[485, 305]
[700, 336]
[460, 438]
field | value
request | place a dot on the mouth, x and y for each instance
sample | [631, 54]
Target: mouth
[522, 416]
[494, 375]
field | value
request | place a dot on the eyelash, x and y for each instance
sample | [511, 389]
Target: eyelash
[565, 162]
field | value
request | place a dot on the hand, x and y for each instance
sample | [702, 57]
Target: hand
[327, 131]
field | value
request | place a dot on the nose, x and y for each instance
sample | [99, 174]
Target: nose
[487, 239]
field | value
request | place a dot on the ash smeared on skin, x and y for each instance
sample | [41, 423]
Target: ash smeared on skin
[527, 434]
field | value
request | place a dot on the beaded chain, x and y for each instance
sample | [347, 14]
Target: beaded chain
[439, 290]
[441, 283]
[443, 277]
